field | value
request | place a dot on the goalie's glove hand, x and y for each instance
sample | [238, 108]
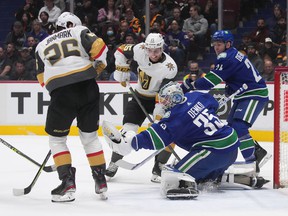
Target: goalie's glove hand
[187, 85]
[158, 112]
[118, 142]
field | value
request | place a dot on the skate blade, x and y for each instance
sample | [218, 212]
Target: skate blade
[68, 197]
[265, 160]
[181, 196]
[103, 196]
[156, 179]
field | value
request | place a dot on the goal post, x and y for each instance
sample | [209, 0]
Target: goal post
[280, 171]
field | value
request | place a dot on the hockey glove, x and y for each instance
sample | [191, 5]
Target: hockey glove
[122, 76]
[119, 143]
[187, 85]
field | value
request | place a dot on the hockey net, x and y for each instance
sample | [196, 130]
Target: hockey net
[281, 127]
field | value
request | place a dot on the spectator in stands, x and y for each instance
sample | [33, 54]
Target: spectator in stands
[26, 22]
[245, 41]
[134, 22]
[37, 32]
[278, 32]
[268, 51]
[46, 25]
[123, 5]
[260, 33]
[122, 31]
[155, 16]
[255, 59]
[53, 11]
[11, 52]
[193, 71]
[185, 11]
[177, 42]
[278, 12]
[130, 38]
[268, 71]
[19, 72]
[16, 35]
[5, 65]
[31, 44]
[109, 13]
[196, 28]
[166, 7]
[176, 15]
[29, 62]
[28, 7]
[61, 4]
[87, 9]
[210, 12]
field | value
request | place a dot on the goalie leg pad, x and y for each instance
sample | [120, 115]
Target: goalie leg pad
[178, 185]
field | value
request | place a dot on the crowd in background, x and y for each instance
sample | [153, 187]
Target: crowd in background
[187, 26]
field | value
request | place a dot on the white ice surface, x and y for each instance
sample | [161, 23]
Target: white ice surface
[130, 192]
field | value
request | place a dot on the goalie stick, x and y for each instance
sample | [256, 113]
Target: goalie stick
[20, 192]
[132, 166]
[51, 168]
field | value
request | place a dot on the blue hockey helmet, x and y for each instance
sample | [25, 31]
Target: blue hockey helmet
[224, 36]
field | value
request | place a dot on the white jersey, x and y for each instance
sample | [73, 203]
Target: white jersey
[150, 75]
[66, 57]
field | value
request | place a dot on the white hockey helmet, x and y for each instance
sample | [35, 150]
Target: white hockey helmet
[66, 19]
[154, 40]
[170, 95]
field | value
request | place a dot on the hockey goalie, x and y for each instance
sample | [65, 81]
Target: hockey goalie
[191, 122]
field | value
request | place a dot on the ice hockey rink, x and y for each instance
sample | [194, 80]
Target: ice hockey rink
[129, 193]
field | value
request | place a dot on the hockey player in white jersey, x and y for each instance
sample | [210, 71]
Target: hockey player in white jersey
[68, 62]
[155, 68]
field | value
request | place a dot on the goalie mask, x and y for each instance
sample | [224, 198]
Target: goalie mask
[170, 95]
[67, 20]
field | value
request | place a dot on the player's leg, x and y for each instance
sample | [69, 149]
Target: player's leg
[133, 118]
[87, 122]
[160, 160]
[241, 117]
[60, 115]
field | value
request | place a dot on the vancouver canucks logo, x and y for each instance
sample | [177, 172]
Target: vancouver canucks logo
[170, 66]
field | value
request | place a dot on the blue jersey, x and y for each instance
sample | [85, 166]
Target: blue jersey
[192, 124]
[235, 69]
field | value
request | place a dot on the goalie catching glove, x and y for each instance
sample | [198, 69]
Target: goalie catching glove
[119, 143]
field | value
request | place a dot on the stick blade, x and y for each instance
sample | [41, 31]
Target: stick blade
[126, 165]
[18, 192]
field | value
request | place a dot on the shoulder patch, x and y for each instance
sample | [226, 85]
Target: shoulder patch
[222, 55]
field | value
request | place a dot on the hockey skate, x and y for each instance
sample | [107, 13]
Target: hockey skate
[98, 173]
[255, 182]
[111, 170]
[156, 172]
[65, 191]
[261, 156]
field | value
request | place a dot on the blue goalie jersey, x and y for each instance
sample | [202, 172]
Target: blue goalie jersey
[191, 124]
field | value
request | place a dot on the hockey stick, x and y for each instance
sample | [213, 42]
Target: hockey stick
[51, 168]
[132, 166]
[149, 117]
[224, 99]
[20, 192]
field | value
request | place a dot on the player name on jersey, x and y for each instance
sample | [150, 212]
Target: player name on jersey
[62, 34]
[193, 111]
